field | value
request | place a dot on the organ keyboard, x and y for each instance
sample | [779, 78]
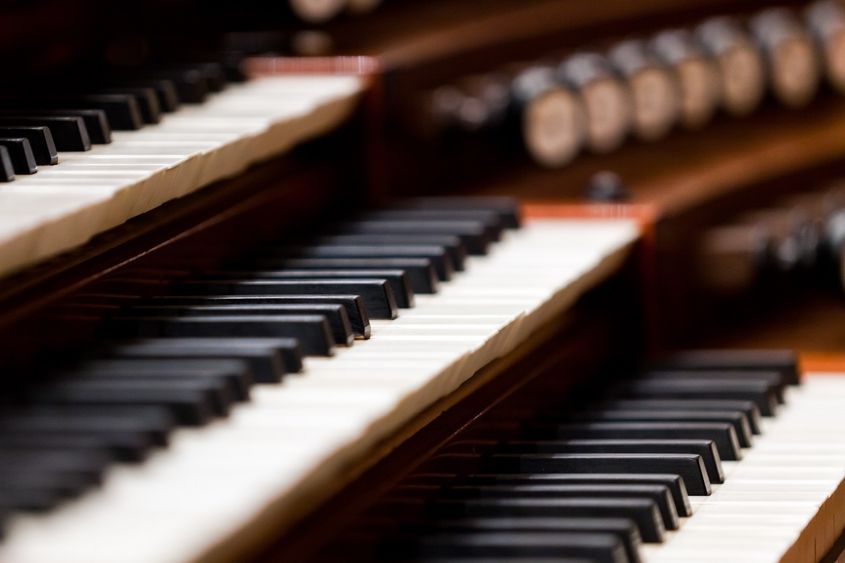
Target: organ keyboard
[89, 191]
[345, 399]
[243, 317]
[564, 484]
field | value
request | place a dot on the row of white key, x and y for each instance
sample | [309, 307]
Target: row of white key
[774, 494]
[297, 437]
[62, 206]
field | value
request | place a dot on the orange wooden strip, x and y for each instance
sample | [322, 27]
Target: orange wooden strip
[262, 66]
[644, 213]
[815, 362]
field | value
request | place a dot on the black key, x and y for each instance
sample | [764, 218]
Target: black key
[165, 90]
[722, 434]
[752, 413]
[734, 418]
[232, 374]
[69, 132]
[4, 518]
[86, 464]
[312, 331]
[772, 378]
[29, 498]
[216, 390]
[472, 233]
[95, 119]
[398, 281]
[623, 528]
[127, 432]
[353, 304]
[334, 314]
[490, 219]
[192, 403]
[784, 362]
[508, 208]
[145, 98]
[39, 479]
[744, 390]
[112, 303]
[64, 483]
[67, 481]
[377, 296]
[599, 548]
[266, 357]
[689, 466]
[642, 511]
[705, 448]
[214, 74]
[437, 254]
[119, 446]
[33, 440]
[20, 153]
[501, 559]
[673, 482]
[17, 495]
[191, 84]
[420, 271]
[96, 123]
[40, 440]
[40, 141]
[7, 171]
[121, 110]
[659, 494]
[453, 246]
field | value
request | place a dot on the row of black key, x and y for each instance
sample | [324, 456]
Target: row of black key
[33, 129]
[573, 481]
[190, 355]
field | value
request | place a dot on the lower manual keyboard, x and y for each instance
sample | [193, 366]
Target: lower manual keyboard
[291, 439]
[649, 486]
[784, 500]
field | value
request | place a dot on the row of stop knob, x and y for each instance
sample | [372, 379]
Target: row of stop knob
[596, 99]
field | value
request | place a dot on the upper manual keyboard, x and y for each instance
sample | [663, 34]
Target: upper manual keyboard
[87, 163]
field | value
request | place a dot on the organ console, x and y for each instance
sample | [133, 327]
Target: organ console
[349, 280]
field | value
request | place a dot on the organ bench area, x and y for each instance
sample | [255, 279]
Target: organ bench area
[486, 280]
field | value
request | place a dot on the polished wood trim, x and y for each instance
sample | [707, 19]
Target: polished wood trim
[823, 364]
[807, 320]
[415, 34]
[270, 65]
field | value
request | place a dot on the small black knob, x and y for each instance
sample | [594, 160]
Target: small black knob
[606, 186]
